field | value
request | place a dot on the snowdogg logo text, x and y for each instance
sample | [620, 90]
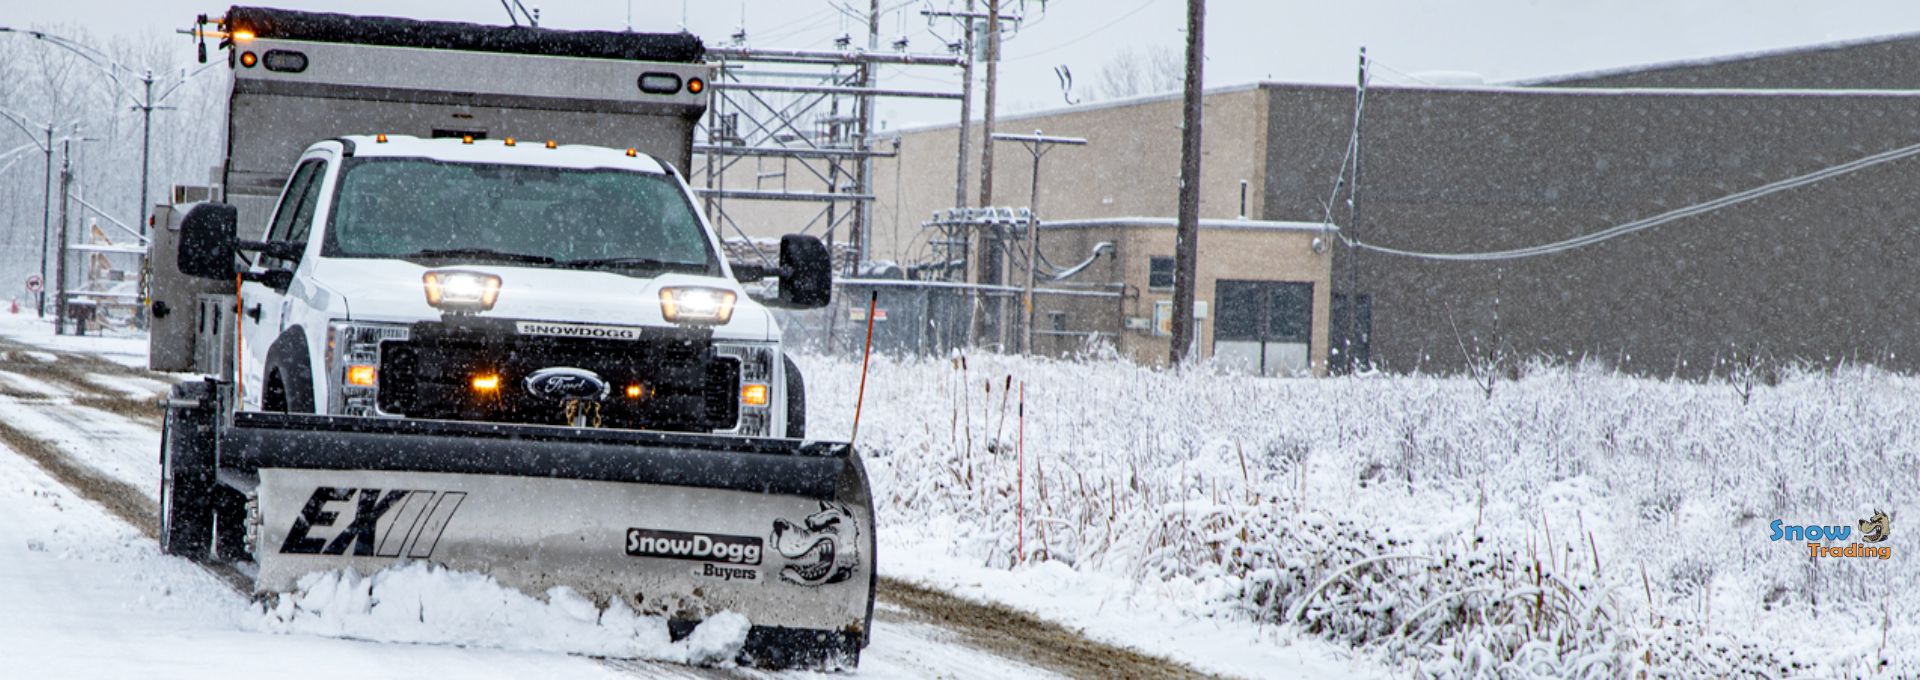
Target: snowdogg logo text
[574, 330]
[820, 549]
[371, 522]
[680, 545]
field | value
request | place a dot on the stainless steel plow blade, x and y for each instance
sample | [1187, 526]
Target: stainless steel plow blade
[682, 526]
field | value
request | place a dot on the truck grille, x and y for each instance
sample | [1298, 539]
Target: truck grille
[684, 385]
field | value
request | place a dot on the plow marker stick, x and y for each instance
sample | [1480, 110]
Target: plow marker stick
[1020, 459]
[861, 400]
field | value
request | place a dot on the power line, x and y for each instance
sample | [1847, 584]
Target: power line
[1103, 27]
[1662, 218]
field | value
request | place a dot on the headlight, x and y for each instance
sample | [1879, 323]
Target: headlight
[697, 305]
[457, 291]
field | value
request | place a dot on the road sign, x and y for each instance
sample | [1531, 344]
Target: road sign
[33, 283]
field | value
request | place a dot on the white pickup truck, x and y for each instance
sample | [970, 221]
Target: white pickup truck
[455, 303]
[502, 281]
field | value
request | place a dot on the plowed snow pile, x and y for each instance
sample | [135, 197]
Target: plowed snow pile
[1572, 522]
[418, 603]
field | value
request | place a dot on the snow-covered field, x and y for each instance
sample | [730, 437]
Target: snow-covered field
[1576, 523]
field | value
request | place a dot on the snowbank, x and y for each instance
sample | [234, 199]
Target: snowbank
[1575, 523]
[421, 603]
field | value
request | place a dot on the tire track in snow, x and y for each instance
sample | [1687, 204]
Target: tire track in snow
[931, 633]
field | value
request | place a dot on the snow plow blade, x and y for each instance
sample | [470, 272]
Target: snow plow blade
[675, 525]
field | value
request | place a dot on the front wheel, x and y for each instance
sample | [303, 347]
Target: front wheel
[186, 474]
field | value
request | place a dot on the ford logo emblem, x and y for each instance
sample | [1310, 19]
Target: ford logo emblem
[565, 382]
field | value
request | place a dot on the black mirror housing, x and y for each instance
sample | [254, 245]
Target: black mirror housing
[806, 272]
[207, 241]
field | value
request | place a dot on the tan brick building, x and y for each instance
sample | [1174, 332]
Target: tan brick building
[1821, 273]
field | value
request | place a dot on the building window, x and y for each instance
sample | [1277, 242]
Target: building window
[1160, 273]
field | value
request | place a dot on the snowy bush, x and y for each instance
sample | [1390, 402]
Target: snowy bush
[1575, 523]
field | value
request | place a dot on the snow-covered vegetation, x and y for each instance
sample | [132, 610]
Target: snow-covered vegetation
[1571, 522]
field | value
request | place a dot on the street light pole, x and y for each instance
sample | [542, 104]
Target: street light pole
[46, 196]
[46, 225]
[146, 146]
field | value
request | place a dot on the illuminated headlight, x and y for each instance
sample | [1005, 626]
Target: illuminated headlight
[457, 291]
[697, 305]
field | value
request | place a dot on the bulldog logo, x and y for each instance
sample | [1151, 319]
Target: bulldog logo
[823, 548]
[1876, 528]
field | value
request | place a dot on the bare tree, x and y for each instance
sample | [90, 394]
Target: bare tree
[1133, 71]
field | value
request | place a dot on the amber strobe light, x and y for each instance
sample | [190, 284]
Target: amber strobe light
[486, 382]
[361, 375]
[753, 394]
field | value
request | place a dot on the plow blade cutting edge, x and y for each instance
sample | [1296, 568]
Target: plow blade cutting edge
[681, 526]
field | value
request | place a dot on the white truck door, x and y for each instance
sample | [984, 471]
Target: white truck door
[261, 306]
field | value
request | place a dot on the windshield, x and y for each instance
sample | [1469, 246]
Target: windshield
[419, 209]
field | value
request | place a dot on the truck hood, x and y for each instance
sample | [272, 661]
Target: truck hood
[391, 291]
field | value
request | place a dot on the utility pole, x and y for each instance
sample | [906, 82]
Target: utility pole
[1352, 349]
[862, 237]
[1037, 144]
[1186, 245]
[987, 263]
[993, 79]
[60, 262]
[966, 111]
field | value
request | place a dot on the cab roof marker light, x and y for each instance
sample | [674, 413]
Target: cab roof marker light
[509, 141]
[380, 138]
[633, 153]
[466, 139]
[552, 145]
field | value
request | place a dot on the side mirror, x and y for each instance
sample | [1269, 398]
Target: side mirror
[806, 272]
[207, 241]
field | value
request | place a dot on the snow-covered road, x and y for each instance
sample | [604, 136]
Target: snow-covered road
[86, 593]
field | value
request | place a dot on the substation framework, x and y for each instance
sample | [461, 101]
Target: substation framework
[801, 113]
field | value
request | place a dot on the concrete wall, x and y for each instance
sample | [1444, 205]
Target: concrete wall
[1821, 273]
[1871, 64]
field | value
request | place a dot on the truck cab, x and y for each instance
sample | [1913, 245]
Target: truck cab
[381, 173]
[505, 281]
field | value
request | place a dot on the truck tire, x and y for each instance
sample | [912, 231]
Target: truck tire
[796, 402]
[187, 473]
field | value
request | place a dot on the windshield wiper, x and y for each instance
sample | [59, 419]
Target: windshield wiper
[478, 253]
[639, 262]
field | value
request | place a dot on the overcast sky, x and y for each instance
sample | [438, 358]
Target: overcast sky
[1247, 40]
